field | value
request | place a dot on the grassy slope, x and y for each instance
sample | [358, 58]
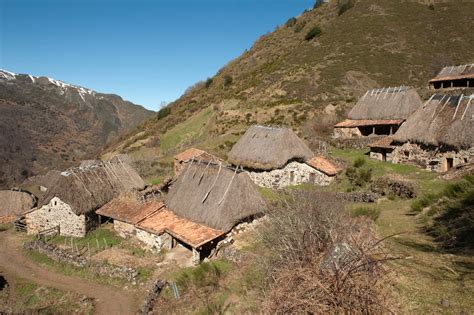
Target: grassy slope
[427, 277]
[285, 80]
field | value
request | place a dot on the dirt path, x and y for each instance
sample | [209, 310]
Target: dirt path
[107, 299]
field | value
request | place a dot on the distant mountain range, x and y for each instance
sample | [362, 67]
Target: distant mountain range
[46, 123]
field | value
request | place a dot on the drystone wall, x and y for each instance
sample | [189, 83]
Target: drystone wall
[293, 173]
[430, 158]
[346, 133]
[56, 214]
[124, 229]
[153, 241]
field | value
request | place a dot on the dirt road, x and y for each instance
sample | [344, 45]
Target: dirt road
[107, 299]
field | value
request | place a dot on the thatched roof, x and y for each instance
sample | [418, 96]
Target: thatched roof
[214, 195]
[86, 189]
[455, 73]
[267, 148]
[442, 120]
[14, 203]
[386, 103]
[323, 164]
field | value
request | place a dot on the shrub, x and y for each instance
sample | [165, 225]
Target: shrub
[317, 3]
[369, 212]
[344, 5]
[359, 177]
[300, 26]
[324, 260]
[314, 32]
[228, 80]
[359, 162]
[164, 112]
[291, 22]
[208, 82]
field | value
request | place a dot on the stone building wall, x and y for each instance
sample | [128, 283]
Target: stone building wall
[56, 214]
[434, 160]
[293, 173]
[346, 133]
[124, 229]
[381, 154]
[153, 241]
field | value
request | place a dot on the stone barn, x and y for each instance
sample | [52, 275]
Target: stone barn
[14, 204]
[454, 77]
[380, 112]
[439, 135]
[69, 203]
[276, 157]
[181, 159]
[204, 204]
[382, 149]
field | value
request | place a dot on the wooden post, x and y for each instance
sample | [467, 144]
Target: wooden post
[98, 245]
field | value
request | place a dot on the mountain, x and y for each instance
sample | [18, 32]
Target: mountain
[46, 123]
[310, 71]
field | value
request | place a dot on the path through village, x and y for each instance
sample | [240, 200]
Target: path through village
[107, 299]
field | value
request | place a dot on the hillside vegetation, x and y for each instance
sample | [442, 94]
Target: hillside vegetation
[310, 71]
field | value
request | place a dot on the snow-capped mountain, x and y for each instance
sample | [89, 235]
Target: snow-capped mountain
[46, 123]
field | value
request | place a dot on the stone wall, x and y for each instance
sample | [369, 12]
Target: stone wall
[293, 173]
[124, 229]
[430, 158]
[153, 241]
[346, 133]
[56, 213]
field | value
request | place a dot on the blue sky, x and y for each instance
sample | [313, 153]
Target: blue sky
[146, 51]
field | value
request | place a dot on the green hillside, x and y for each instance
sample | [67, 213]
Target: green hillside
[290, 79]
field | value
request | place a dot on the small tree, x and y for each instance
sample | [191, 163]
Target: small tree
[315, 31]
[162, 113]
[208, 82]
[228, 80]
[291, 22]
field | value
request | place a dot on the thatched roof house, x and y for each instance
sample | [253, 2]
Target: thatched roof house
[379, 112]
[70, 203]
[454, 76]
[14, 203]
[214, 195]
[86, 189]
[267, 148]
[442, 120]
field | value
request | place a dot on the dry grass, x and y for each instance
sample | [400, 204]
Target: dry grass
[324, 260]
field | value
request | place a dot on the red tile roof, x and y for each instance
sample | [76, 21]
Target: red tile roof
[384, 143]
[129, 211]
[348, 123]
[322, 164]
[190, 232]
[189, 154]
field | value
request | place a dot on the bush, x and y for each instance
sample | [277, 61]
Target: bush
[300, 26]
[315, 31]
[208, 82]
[317, 3]
[358, 177]
[164, 112]
[344, 5]
[369, 212]
[291, 22]
[324, 260]
[359, 162]
[228, 80]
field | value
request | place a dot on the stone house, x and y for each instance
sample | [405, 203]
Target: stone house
[439, 135]
[212, 198]
[380, 112]
[276, 157]
[454, 77]
[14, 204]
[71, 199]
[382, 149]
[181, 159]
